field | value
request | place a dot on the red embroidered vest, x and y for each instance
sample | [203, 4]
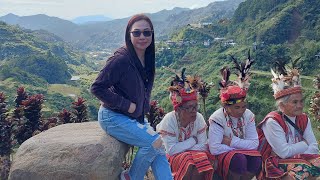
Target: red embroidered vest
[264, 147]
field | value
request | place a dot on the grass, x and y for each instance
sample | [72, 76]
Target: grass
[63, 89]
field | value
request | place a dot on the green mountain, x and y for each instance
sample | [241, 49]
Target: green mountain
[290, 29]
[36, 52]
[42, 63]
[278, 21]
[276, 31]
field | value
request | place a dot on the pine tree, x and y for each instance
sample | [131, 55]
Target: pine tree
[80, 110]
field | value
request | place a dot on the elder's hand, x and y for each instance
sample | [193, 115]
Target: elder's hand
[226, 140]
[195, 138]
[305, 141]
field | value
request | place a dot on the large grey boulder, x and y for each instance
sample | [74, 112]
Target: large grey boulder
[69, 151]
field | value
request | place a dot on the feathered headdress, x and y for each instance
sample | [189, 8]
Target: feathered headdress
[286, 80]
[183, 88]
[243, 71]
[232, 92]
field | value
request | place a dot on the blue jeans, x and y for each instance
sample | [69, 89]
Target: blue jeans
[143, 136]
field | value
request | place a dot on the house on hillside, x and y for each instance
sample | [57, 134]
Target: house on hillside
[195, 25]
[206, 43]
[218, 39]
[200, 25]
[170, 43]
[229, 43]
[205, 24]
[75, 78]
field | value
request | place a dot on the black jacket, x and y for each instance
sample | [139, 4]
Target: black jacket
[124, 80]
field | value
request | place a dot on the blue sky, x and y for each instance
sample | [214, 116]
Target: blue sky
[69, 9]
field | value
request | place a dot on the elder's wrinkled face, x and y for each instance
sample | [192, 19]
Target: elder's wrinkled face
[236, 110]
[188, 111]
[294, 105]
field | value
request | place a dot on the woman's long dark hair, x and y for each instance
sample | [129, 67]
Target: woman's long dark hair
[150, 51]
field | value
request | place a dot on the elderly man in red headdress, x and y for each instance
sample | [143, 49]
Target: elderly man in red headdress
[287, 143]
[184, 133]
[232, 133]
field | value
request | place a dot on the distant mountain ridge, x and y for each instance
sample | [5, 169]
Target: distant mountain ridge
[90, 19]
[60, 27]
[10, 18]
[109, 34]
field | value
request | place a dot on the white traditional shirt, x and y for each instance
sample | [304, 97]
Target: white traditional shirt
[288, 146]
[169, 130]
[220, 126]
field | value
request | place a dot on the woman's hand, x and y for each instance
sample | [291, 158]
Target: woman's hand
[132, 107]
[226, 140]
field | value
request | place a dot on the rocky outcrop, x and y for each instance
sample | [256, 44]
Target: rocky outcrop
[70, 151]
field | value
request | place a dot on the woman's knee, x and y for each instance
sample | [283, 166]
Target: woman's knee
[158, 146]
[155, 148]
[158, 143]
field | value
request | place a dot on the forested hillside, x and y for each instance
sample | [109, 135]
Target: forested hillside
[26, 51]
[280, 30]
[36, 60]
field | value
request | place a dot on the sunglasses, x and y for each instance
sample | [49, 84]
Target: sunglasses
[137, 33]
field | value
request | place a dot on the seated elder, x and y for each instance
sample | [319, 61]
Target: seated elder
[287, 143]
[232, 132]
[184, 132]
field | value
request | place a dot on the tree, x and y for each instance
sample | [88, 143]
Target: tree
[155, 114]
[80, 110]
[315, 101]
[48, 123]
[21, 96]
[65, 117]
[30, 126]
[5, 138]
[17, 117]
